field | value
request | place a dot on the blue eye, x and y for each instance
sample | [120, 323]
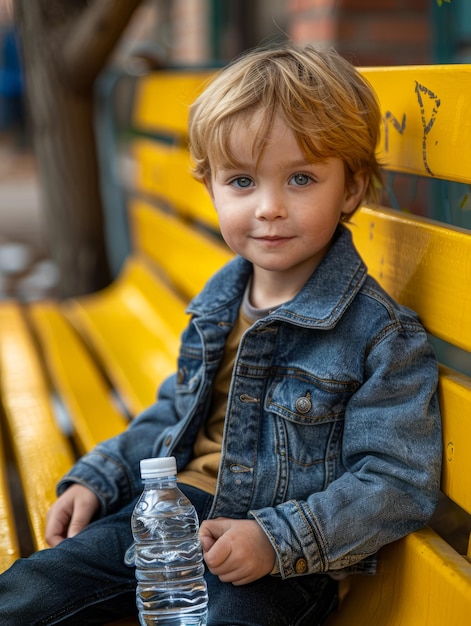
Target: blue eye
[242, 182]
[301, 179]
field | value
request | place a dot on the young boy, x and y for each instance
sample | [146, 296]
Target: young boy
[304, 415]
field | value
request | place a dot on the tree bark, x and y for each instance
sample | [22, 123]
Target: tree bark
[66, 45]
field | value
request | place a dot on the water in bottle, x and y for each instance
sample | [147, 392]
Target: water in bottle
[171, 589]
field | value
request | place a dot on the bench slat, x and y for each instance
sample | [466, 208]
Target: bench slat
[421, 582]
[42, 452]
[162, 99]
[9, 548]
[426, 112]
[134, 326]
[177, 248]
[423, 265]
[164, 172]
[78, 381]
[455, 404]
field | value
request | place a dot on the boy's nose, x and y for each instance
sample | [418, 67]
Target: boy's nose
[270, 207]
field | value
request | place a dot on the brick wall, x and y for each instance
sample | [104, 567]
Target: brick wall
[190, 31]
[368, 32]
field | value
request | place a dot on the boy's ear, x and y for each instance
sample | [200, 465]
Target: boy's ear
[355, 191]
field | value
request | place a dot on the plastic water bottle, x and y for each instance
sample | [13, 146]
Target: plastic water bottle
[171, 589]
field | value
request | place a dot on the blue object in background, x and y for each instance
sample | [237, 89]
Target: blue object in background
[12, 109]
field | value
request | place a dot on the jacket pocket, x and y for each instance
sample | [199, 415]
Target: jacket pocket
[310, 414]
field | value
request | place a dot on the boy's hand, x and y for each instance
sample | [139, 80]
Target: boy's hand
[71, 512]
[237, 551]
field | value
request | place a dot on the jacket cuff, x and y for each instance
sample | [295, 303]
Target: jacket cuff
[104, 476]
[293, 538]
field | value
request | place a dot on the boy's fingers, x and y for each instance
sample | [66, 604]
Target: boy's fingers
[216, 549]
[53, 538]
[56, 530]
[215, 527]
[82, 514]
[77, 523]
[207, 542]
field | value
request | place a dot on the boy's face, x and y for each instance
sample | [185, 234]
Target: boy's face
[278, 210]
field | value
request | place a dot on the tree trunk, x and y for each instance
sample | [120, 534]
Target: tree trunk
[65, 46]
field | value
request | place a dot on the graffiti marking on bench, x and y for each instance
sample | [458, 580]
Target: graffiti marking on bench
[422, 93]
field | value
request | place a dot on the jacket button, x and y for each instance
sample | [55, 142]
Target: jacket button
[168, 441]
[301, 566]
[304, 404]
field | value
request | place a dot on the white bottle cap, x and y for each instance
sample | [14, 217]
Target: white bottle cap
[158, 467]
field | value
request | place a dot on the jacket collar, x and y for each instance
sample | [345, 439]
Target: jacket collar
[321, 302]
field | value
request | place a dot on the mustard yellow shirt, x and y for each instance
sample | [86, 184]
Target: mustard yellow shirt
[202, 470]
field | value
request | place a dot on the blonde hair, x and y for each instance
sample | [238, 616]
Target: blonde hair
[327, 103]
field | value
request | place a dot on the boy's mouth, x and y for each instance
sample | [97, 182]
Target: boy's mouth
[273, 239]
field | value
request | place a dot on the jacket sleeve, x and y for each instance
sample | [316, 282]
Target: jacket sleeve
[391, 458]
[111, 469]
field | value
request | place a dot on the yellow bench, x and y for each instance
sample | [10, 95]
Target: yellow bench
[98, 360]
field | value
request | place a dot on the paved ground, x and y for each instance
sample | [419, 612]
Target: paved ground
[25, 269]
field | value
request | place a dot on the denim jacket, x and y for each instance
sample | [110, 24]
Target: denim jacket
[332, 434]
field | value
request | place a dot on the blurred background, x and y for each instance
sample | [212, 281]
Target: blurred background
[61, 63]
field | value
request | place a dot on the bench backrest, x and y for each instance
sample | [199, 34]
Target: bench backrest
[163, 174]
[424, 264]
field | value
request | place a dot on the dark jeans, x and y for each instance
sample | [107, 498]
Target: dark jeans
[83, 580]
